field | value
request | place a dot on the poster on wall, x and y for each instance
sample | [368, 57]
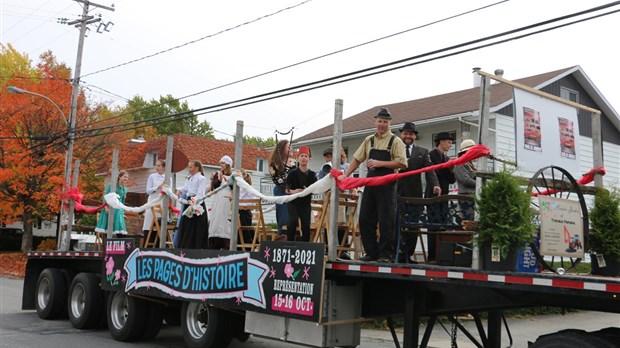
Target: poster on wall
[561, 227]
[546, 133]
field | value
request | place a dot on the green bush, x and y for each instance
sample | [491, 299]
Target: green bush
[505, 214]
[605, 219]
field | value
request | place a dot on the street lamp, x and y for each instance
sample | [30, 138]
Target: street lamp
[17, 90]
[68, 159]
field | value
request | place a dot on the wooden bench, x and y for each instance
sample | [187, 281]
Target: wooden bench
[415, 217]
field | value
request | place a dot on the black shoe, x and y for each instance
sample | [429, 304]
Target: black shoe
[385, 259]
[368, 258]
[344, 256]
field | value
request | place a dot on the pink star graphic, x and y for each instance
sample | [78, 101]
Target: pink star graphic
[218, 260]
[238, 300]
[128, 245]
[171, 292]
[267, 256]
[272, 273]
[124, 278]
[106, 258]
[148, 286]
[140, 253]
[306, 275]
[204, 298]
[182, 255]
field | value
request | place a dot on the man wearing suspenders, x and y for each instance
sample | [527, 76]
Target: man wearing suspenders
[384, 154]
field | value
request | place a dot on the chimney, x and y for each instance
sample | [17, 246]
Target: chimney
[476, 77]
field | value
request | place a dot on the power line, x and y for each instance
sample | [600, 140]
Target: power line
[198, 40]
[317, 57]
[387, 67]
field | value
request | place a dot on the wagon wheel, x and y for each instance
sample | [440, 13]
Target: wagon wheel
[556, 182]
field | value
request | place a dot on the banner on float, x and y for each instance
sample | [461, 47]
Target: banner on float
[561, 227]
[547, 133]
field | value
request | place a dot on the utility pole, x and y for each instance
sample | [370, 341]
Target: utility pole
[82, 23]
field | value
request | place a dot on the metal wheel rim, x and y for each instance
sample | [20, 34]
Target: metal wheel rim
[195, 328]
[43, 293]
[118, 310]
[78, 300]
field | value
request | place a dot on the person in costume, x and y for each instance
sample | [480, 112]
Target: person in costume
[154, 184]
[194, 229]
[279, 169]
[219, 224]
[465, 176]
[118, 226]
[384, 153]
[299, 209]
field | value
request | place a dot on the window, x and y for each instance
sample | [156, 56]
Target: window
[569, 94]
[261, 165]
[150, 160]
[452, 151]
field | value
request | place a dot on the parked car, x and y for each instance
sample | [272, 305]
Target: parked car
[11, 238]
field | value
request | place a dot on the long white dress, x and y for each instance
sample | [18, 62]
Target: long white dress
[152, 183]
[219, 217]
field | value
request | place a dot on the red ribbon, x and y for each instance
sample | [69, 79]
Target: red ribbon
[585, 179]
[79, 207]
[473, 153]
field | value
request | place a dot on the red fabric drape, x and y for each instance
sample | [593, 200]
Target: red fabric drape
[585, 179]
[75, 194]
[473, 153]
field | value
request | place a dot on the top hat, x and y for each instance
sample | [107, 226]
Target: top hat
[443, 136]
[409, 126]
[466, 144]
[384, 113]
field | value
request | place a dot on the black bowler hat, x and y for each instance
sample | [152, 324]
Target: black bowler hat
[443, 136]
[409, 126]
[384, 113]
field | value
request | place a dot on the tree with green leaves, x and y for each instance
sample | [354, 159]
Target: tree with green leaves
[258, 141]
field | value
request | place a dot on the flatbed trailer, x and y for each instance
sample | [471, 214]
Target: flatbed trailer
[351, 292]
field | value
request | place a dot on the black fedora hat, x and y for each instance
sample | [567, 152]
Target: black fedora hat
[443, 136]
[409, 126]
[383, 113]
[328, 151]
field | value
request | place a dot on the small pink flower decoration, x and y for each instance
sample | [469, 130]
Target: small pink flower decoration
[109, 266]
[288, 270]
[117, 274]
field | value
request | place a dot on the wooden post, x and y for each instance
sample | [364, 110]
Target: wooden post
[163, 227]
[238, 165]
[113, 181]
[597, 147]
[335, 192]
[483, 138]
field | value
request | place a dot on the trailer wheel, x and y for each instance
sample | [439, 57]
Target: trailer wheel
[51, 294]
[571, 338]
[172, 315]
[126, 316]
[85, 301]
[154, 320]
[204, 326]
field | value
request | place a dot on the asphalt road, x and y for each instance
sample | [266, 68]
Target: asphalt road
[24, 329]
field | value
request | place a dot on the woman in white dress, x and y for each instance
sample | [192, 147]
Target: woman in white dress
[219, 224]
[153, 188]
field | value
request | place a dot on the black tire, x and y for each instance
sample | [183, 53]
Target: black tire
[569, 339]
[204, 326]
[237, 325]
[85, 302]
[126, 316]
[154, 320]
[51, 294]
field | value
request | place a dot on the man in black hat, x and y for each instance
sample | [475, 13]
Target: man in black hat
[327, 166]
[384, 153]
[443, 143]
[411, 186]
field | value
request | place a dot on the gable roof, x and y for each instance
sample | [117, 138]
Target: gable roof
[189, 147]
[454, 103]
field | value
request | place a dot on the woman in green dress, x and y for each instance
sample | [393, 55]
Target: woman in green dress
[119, 215]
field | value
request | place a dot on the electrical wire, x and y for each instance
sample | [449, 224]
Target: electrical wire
[317, 57]
[198, 40]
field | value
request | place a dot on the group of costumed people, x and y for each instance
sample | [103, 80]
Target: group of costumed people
[394, 166]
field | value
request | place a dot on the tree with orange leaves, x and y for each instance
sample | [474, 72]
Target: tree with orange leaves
[33, 138]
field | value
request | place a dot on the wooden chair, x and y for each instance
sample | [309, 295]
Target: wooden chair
[255, 207]
[351, 239]
[262, 232]
[321, 222]
[151, 241]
